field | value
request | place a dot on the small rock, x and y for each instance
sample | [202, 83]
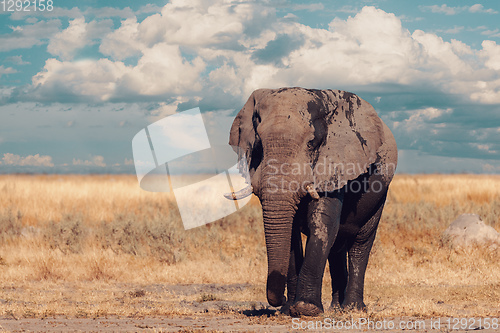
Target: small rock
[468, 229]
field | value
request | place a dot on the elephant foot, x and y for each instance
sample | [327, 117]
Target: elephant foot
[335, 307]
[285, 309]
[302, 308]
[336, 304]
[354, 305]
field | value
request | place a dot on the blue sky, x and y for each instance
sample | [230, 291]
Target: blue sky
[77, 83]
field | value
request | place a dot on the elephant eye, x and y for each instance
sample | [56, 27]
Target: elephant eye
[256, 120]
[320, 133]
[257, 153]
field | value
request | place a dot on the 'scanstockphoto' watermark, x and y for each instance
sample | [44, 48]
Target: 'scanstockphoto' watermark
[178, 145]
[366, 324]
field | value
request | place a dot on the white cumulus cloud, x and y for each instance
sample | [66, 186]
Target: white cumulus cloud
[78, 35]
[124, 42]
[423, 115]
[84, 78]
[193, 23]
[478, 8]
[162, 70]
[313, 7]
[18, 60]
[6, 70]
[94, 161]
[30, 160]
[194, 47]
[445, 9]
[491, 53]
[29, 35]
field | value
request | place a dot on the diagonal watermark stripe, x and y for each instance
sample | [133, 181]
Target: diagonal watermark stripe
[175, 154]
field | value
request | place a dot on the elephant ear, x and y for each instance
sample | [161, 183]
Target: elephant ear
[354, 135]
[243, 136]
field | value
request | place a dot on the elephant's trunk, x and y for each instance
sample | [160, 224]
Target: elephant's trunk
[279, 206]
[278, 216]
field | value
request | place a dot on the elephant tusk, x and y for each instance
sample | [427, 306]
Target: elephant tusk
[312, 192]
[240, 194]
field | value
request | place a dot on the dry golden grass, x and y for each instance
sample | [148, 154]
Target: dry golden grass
[85, 245]
[97, 198]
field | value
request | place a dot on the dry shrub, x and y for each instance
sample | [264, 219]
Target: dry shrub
[99, 269]
[207, 298]
[132, 234]
[67, 235]
[47, 267]
[10, 226]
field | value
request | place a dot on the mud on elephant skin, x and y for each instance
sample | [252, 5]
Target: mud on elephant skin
[320, 161]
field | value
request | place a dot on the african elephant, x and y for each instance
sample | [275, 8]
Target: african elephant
[320, 161]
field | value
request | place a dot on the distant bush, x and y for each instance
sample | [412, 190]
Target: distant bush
[67, 235]
[10, 226]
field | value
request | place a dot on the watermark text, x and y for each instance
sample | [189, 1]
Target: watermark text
[449, 324]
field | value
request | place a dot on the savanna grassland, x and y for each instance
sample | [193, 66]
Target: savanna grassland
[97, 246]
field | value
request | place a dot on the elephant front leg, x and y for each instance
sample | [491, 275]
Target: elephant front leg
[323, 221]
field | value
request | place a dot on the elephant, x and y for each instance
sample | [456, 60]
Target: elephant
[320, 162]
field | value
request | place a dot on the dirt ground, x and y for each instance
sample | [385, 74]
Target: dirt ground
[207, 323]
[222, 323]
[205, 307]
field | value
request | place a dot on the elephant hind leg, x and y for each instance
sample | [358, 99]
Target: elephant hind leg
[338, 272]
[358, 255]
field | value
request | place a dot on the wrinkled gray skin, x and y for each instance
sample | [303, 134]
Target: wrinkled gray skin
[288, 136]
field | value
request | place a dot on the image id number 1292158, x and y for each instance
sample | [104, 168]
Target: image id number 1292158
[27, 5]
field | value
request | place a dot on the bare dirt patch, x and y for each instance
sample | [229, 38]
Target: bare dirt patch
[228, 308]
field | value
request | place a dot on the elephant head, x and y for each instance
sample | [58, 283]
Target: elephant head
[298, 142]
